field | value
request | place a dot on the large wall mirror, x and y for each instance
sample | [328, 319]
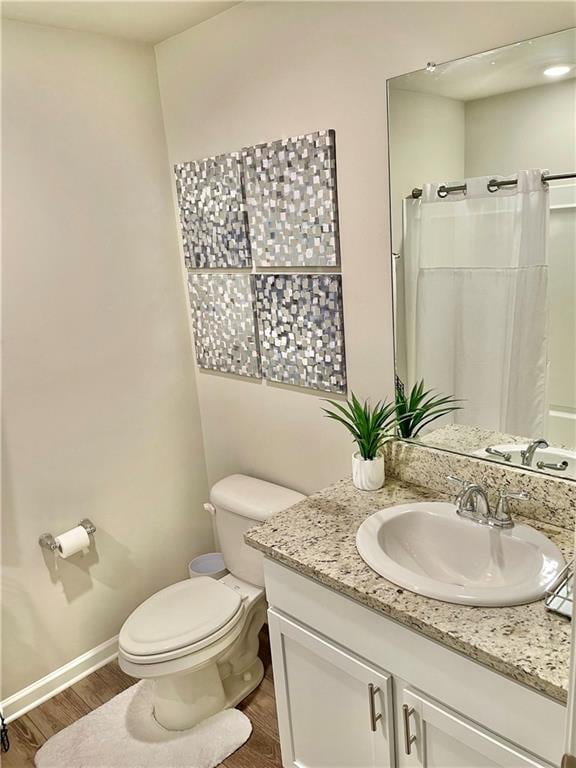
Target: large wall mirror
[483, 197]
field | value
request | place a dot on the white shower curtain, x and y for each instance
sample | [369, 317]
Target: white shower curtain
[476, 297]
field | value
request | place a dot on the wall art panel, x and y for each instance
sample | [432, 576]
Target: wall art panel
[212, 210]
[223, 314]
[301, 330]
[292, 202]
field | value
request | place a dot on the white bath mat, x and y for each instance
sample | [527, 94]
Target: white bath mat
[124, 734]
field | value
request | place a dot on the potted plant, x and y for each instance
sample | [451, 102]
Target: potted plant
[370, 428]
[420, 407]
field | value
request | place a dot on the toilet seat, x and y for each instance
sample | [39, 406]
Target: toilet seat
[180, 620]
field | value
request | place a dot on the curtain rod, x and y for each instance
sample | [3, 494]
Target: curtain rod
[493, 185]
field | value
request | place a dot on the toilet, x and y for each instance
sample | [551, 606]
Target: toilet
[197, 640]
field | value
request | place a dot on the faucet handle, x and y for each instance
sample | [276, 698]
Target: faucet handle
[502, 516]
[504, 455]
[504, 494]
[454, 479]
[464, 485]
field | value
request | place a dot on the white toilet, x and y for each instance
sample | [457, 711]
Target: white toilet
[198, 639]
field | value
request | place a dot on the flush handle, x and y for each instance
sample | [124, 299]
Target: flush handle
[373, 691]
[409, 738]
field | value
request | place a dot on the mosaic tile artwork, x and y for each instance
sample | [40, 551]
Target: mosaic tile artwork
[213, 216]
[292, 202]
[223, 314]
[301, 330]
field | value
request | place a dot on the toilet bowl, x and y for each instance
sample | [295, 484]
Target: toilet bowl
[197, 640]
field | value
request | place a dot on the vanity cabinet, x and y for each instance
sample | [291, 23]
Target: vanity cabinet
[432, 736]
[355, 689]
[333, 709]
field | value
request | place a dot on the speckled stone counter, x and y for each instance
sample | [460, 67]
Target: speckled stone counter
[317, 539]
[550, 499]
[465, 439]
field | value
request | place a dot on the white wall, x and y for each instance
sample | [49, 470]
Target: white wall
[100, 410]
[428, 136]
[261, 71]
[530, 128]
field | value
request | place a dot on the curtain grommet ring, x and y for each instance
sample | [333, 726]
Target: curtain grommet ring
[493, 186]
[442, 191]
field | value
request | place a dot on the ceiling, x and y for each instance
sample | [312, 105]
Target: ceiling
[511, 68]
[142, 21]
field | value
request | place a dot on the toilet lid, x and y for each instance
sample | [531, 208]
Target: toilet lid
[178, 616]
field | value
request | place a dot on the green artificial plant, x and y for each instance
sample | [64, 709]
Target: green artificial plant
[420, 407]
[369, 426]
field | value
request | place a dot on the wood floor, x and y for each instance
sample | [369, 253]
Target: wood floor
[29, 732]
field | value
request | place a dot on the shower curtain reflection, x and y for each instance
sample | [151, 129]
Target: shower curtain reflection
[476, 300]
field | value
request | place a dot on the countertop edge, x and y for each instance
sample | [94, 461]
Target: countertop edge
[472, 653]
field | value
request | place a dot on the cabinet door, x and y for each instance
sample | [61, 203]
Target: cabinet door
[334, 710]
[432, 736]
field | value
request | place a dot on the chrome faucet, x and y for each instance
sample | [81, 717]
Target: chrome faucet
[528, 454]
[472, 503]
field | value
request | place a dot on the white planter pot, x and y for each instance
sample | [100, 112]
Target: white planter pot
[367, 475]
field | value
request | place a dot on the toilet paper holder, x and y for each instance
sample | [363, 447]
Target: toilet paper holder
[47, 540]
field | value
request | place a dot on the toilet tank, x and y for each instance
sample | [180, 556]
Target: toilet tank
[241, 502]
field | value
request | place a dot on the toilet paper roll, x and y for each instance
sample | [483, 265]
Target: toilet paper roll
[73, 541]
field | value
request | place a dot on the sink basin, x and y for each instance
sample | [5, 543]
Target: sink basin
[546, 455]
[427, 548]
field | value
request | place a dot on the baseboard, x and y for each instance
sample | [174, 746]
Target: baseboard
[42, 690]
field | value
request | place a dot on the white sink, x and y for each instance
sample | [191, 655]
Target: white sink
[427, 548]
[546, 455]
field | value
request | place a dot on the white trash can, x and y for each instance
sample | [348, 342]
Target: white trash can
[211, 564]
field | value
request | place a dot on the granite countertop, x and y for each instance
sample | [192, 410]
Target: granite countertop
[317, 537]
[467, 439]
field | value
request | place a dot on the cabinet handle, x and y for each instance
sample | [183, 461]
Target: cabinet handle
[372, 693]
[408, 738]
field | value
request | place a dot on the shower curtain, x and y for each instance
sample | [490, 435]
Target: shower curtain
[476, 300]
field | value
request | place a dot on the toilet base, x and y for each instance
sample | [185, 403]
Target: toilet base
[181, 702]
[237, 687]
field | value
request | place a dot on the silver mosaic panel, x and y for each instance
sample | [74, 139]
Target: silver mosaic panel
[213, 212]
[223, 314]
[301, 330]
[291, 201]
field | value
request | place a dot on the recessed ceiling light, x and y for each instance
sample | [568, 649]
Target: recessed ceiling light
[558, 71]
